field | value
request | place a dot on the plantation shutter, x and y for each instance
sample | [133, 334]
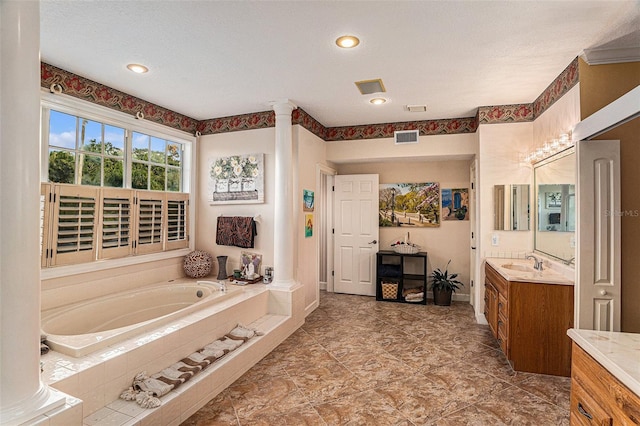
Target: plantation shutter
[46, 200]
[177, 224]
[74, 223]
[150, 214]
[116, 223]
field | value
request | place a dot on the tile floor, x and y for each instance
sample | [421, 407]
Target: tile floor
[360, 362]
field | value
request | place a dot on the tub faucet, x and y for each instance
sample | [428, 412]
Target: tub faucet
[537, 263]
[220, 285]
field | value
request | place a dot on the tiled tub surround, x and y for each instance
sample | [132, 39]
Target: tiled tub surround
[98, 378]
[84, 327]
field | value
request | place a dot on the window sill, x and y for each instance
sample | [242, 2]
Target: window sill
[102, 265]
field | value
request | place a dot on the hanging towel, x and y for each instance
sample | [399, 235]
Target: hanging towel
[236, 231]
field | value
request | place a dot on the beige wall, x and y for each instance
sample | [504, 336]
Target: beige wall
[601, 85]
[502, 147]
[451, 240]
[453, 147]
[223, 145]
[311, 151]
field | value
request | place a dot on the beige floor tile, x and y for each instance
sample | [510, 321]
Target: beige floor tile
[356, 361]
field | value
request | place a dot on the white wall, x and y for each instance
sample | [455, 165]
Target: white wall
[224, 145]
[501, 148]
[311, 151]
[459, 146]
[559, 118]
[451, 239]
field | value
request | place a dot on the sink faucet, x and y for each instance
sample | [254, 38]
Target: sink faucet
[537, 262]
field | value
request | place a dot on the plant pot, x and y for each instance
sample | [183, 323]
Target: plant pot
[442, 297]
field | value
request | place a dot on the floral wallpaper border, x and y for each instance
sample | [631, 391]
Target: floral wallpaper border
[505, 113]
[568, 78]
[385, 130]
[88, 90]
[97, 93]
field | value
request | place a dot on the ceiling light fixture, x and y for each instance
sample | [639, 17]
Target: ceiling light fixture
[137, 68]
[378, 101]
[347, 41]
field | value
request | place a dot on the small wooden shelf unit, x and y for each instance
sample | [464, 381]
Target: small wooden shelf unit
[398, 275]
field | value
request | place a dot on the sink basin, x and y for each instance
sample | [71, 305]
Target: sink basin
[517, 267]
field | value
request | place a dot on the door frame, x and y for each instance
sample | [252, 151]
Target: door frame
[325, 221]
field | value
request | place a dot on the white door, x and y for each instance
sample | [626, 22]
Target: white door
[597, 292]
[356, 234]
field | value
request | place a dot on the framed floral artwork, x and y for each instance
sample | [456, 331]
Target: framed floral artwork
[237, 179]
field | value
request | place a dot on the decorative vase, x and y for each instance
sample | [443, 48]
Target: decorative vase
[222, 185]
[222, 267]
[235, 185]
[248, 184]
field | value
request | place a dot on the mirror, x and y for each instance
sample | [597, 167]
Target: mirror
[556, 206]
[511, 207]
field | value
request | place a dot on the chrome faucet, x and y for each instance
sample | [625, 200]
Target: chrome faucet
[537, 262]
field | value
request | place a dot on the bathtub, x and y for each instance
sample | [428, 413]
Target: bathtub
[84, 327]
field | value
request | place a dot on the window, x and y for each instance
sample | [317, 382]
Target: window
[112, 186]
[156, 163]
[89, 152]
[85, 152]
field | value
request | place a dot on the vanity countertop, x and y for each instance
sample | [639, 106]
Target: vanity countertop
[618, 352]
[522, 270]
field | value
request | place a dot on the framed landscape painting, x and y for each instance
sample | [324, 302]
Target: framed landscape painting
[409, 204]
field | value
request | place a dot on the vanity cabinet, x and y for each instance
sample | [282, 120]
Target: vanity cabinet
[598, 398]
[530, 322]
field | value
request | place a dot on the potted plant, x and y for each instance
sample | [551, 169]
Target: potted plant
[443, 286]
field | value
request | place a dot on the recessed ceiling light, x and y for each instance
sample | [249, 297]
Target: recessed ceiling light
[378, 101]
[347, 41]
[137, 68]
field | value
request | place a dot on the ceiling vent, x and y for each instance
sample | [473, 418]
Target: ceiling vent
[406, 136]
[416, 108]
[368, 87]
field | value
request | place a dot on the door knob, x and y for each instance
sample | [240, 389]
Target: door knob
[373, 242]
[603, 292]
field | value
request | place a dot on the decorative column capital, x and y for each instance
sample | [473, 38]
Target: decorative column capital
[283, 106]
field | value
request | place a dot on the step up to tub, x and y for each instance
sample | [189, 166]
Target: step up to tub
[182, 402]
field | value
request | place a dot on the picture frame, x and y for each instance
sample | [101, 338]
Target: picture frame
[236, 179]
[307, 200]
[415, 205]
[553, 199]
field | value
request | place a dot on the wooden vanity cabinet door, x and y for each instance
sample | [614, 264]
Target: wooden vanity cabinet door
[584, 410]
[491, 307]
[610, 399]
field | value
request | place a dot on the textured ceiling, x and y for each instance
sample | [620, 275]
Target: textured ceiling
[211, 59]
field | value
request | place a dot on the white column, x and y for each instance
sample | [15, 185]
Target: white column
[284, 220]
[22, 395]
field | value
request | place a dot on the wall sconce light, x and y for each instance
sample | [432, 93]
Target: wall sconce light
[549, 148]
